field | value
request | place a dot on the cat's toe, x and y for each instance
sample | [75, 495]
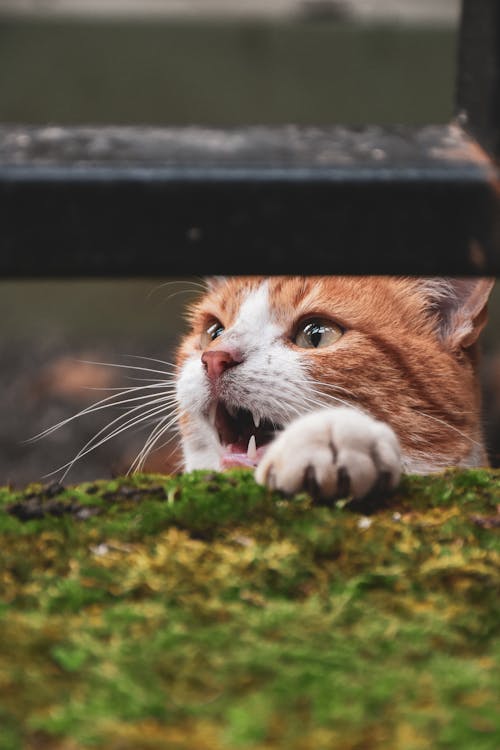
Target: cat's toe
[289, 470]
[333, 453]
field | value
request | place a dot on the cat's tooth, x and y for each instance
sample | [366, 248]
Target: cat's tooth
[233, 410]
[211, 413]
[256, 420]
[252, 449]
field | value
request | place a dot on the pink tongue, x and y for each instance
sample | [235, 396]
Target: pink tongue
[233, 457]
[231, 460]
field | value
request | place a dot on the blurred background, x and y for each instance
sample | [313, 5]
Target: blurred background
[176, 62]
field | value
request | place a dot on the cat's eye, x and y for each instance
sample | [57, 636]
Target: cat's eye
[317, 333]
[212, 332]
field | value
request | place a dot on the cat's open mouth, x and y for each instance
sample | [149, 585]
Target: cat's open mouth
[242, 435]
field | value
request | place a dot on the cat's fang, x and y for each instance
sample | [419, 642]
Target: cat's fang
[252, 448]
[256, 420]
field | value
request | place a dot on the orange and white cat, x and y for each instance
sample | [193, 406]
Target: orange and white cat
[333, 384]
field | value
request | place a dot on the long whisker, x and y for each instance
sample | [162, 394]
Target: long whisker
[152, 359]
[160, 429]
[307, 398]
[197, 287]
[321, 392]
[175, 434]
[329, 397]
[146, 380]
[332, 387]
[124, 367]
[159, 384]
[154, 448]
[449, 426]
[173, 295]
[104, 403]
[164, 424]
[155, 406]
[92, 444]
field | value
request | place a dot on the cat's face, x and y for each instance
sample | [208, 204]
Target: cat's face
[262, 351]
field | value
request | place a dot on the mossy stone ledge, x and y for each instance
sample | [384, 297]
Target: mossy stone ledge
[202, 611]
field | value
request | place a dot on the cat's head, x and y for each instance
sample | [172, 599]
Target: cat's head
[262, 351]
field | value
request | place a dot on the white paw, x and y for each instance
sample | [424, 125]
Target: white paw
[332, 453]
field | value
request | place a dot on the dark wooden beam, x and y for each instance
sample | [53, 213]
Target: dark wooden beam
[139, 202]
[478, 80]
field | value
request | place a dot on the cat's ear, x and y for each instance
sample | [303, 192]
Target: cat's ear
[214, 282]
[462, 308]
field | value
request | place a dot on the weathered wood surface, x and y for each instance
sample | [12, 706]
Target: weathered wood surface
[411, 11]
[144, 201]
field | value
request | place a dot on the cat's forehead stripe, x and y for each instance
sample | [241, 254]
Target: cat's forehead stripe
[255, 307]
[227, 300]
[255, 322]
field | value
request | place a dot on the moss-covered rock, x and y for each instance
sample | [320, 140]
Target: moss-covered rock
[203, 612]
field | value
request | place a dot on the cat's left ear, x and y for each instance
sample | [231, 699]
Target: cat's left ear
[462, 307]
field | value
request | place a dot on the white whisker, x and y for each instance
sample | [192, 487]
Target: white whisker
[332, 387]
[198, 287]
[329, 397]
[91, 444]
[449, 426]
[105, 403]
[152, 359]
[159, 384]
[159, 430]
[147, 380]
[124, 367]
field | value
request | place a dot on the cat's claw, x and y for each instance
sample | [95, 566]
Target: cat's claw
[332, 453]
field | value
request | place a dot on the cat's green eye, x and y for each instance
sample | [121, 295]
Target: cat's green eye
[213, 331]
[317, 333]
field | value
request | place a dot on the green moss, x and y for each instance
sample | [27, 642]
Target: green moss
[204, 611]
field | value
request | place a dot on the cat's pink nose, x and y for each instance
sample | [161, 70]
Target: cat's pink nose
[216, 362]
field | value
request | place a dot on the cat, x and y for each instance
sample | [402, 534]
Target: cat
[334, 385]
